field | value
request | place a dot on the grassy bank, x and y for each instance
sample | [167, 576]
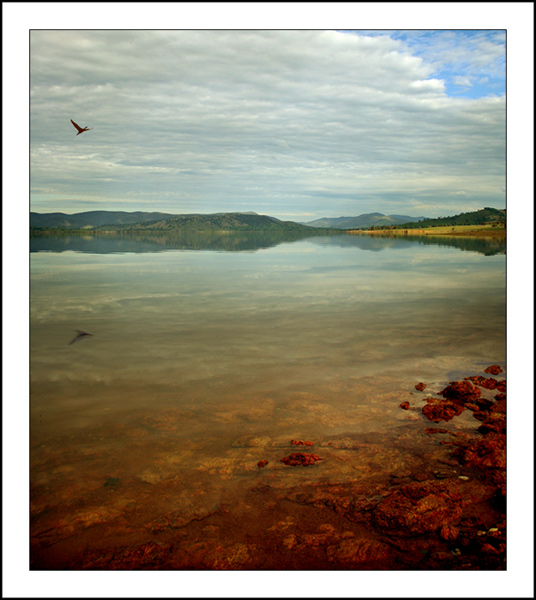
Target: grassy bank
[458, 230]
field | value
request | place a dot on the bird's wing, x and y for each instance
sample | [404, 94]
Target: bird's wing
[77, 126]
[79, 336]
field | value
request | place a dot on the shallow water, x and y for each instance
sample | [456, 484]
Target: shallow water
[205, 361]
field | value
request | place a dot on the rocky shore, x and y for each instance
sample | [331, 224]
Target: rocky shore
[422, 497]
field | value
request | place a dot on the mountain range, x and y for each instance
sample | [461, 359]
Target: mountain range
[362, 221]
[159, 220]
[246, 221]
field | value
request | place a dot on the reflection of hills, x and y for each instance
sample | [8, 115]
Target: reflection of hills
[161, 241]
[375, 243]
[244, 241]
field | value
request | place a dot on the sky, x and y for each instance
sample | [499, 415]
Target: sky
[297, 124]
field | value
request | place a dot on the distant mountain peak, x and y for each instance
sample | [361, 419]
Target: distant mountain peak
[362, 221]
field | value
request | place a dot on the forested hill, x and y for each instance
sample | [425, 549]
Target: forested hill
[214, 222]
[148, 221]
[93, 218]
[485, 216]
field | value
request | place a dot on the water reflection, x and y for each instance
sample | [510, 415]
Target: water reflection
[244, 242]
[489, 246]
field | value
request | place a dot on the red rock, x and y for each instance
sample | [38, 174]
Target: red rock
[489, 383]
[485, 452]
[493, 421]
[405, 405]
[419, 508]
[493, 370]
[300, 459]
[435, 430]
[449, 534]
[489, 549]
[499, 397]
[300, 443]
[463, 391]
[420, 386]
[501, 386]
[262, 463]
[442, 411]
[500, 405]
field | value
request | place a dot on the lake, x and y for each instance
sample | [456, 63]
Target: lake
[209, 354]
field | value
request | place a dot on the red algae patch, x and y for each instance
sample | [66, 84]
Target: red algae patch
[300, 459]
[301, 443]
[493, 370]
[420, 386]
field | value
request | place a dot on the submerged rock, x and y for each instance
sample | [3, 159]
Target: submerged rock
[436, 430]
[484, 452]
[441, 410]
[419, 508]
[301, 443]
[405, 405]
[262, 463]
[300, 459]
[489, 383]
[420, 386]
[493, 370]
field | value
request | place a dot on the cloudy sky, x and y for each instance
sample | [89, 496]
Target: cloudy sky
[298, 124]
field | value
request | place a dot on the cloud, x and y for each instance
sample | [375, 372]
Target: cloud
[234, 120]
[462, 80]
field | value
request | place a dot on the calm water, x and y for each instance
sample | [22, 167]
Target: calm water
[210, 354]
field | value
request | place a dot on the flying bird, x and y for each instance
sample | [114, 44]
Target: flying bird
[80, 130]
[79, 336]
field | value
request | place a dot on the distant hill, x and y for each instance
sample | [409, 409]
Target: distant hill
[362, 221]
[212, 222]
[485, 216]
[103, 220]
[94, 218]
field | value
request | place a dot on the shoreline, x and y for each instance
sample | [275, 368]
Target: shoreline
[460, 230]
